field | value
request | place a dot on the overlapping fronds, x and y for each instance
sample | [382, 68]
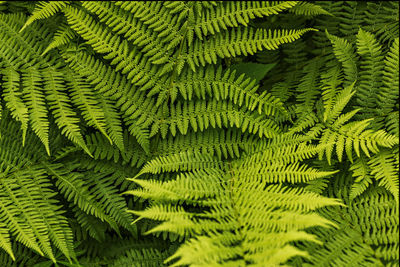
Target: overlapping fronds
[247, 216]
[199, 133]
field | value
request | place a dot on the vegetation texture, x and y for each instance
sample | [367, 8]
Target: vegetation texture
[199, 133]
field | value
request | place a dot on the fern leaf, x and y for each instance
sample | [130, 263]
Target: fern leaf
[59, 103]
[362, 175]
[384, 170]
[5, 242]
[308, 9]
[33, 95]
[13, 98]
[345, 53]
[74, 189]
[241, 41]
[86, 101]
[388, 94]
[44, 10]
[371, 71]
[233, 14]
[63, 36]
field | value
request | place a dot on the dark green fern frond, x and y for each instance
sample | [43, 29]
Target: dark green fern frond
[383, 19]
[367, 233]
[384, 169]
[345, 53]
[388, 95]
[362, 174]
[141, 257]
[370, 74]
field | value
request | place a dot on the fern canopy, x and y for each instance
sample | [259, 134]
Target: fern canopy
[199, 133]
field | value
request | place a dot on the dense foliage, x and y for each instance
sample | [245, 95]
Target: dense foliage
[199, 133]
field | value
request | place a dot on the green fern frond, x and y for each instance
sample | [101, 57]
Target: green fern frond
[225, 85]
[5, 242]
[63, 113]
[216, 143]
[388, 94]
[63, 36]
[75, 189]
[308, 9]
[140, 257]
[233, 14]
[240, 41]
[371, 71]
[345, 53]
[44, 10]
[392, 123]
[86, 101]
[382, 18]
[44, 221]
[362, 175]
[367, 232]
[34, 97]
[232, 192]
[201, 115]
[182, 161]
[384, 170]
[13, 98]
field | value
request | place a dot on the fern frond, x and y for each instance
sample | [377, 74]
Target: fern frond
[74, 188]
[112, 120]
[216, 143]
[44, 10]
[63, 36]
[182, 161]
[307, 89]
[103, 190]
[353, 136]
[34, 97]
[382, 18]
[5, 242]
[367, 230]
[124, 23]
[388, 95]
[63, 113]
[362, 175]
[13, 98]
[103, 150]
[384, 170]
[83, 97]
[233, 14]
[200, 115]
[371, 71]
[240, 41]
[139, 72]
[225, 85]
[232, 192]
[140, 257]
[43, 220]
[392, 123]
[308, 9]
[345, 53]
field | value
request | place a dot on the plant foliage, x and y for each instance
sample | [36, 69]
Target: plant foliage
[199, 133]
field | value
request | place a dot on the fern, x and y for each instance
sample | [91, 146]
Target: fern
[240, 222]
[199, 133]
